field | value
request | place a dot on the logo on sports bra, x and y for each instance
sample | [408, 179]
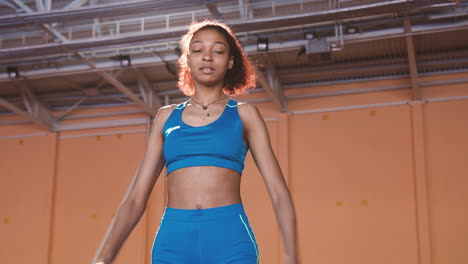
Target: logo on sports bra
[169, 130]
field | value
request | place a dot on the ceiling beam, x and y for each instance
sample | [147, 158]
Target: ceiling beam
[149, 95]
[76, 13]
[269, 81]
[106, 76]
[273, 79]
[4, 103]
[241, 26]
[425, 59]
[416, 91]
[6, 3]
[37, 109]
[214, 11]
[48, 5]
[37, 112]
[75, 4]
[72, 108]
[40, 6]
[246, 9]
[122, 88]
[21, 5]
[263, 81]
[119, 86]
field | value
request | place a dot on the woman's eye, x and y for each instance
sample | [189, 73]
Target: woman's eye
[219, 52]
[196, 51]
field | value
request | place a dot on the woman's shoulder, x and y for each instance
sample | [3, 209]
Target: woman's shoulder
[164, 112]
[166, 109]
[246, 107]
[248, 113]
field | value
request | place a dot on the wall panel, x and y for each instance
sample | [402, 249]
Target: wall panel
[352, 181]
[446, 127]
[93, 176]
[26, 177]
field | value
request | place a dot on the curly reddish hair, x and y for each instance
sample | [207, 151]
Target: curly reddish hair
[237, 80]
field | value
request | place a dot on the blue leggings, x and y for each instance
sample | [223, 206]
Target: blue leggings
[219, 235]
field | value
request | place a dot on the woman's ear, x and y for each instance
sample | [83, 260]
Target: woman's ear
[231, 62]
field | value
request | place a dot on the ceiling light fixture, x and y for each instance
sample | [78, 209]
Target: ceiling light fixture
[262, 44]
[310, 35]
[13, 73]
[125, 61]
[351, 30]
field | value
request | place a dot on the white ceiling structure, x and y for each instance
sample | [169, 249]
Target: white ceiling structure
[61, 55]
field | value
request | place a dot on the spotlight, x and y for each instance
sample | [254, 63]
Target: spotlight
[335, 46]
[351, 30]
[125, 61]
[310, 35]
[262, 44]
[13, 73]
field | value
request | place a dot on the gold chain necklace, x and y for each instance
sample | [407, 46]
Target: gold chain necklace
[206, 107]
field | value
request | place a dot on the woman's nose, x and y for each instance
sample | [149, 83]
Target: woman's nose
[207, 57]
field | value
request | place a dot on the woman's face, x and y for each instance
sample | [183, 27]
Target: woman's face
[209, 58]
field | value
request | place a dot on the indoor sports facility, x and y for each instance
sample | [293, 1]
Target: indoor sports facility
[365, 102]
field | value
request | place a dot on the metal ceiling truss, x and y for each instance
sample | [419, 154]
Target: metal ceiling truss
[36, 111]
[106, 76]
[147, 91]
[75, 4]
[250, 49]
[246, 10]
[413, 69]
[121, 87]
[268, 79]
[74, 11]
[214, 11]
[253, 25]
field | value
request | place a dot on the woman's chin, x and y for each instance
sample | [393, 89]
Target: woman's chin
[210, 83]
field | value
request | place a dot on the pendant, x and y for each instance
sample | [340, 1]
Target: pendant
[208, 114]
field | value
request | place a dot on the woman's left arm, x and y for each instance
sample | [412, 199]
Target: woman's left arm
[262, 153]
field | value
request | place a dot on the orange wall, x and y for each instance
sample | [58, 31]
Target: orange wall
[383, 184]
[446, 126]
[26, 182]
[353, 186]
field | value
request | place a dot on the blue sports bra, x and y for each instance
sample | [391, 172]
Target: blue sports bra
[219, 143]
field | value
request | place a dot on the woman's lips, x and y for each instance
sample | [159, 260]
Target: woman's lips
[206, 69]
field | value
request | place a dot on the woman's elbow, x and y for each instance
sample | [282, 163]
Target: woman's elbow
[281, 196]
[134, 204]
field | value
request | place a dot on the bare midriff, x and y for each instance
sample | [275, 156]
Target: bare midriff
[203, 187]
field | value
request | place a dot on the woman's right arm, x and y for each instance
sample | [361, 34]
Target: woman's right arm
[134, 203]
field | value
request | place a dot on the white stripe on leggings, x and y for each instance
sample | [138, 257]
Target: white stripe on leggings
[251, 238]
[155, 236]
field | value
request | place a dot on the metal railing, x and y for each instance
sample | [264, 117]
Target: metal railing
[165, 22]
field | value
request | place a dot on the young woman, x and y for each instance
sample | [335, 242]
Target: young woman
[203, 143]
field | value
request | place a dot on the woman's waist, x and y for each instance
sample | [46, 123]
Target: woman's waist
[202, 200]
[198, 188]
[212, 213]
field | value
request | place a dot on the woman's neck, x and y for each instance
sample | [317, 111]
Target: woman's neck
[205, 95]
